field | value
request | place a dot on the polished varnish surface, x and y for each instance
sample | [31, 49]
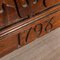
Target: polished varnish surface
[22, 21]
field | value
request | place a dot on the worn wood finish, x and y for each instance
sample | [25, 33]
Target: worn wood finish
[32, 24]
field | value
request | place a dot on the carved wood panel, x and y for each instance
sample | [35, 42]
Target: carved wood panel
[26, 31]
[12, 11]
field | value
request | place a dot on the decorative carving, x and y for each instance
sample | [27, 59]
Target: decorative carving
[44, 3]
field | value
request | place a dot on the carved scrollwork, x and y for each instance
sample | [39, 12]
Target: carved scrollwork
[17, 8]
[44, 3]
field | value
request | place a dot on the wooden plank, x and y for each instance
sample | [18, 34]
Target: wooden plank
[8, 44]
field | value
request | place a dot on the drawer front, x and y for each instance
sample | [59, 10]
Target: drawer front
[8, 44]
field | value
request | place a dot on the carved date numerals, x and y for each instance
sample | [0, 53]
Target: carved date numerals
[38, 29]
[49, 25]
[35, 31]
